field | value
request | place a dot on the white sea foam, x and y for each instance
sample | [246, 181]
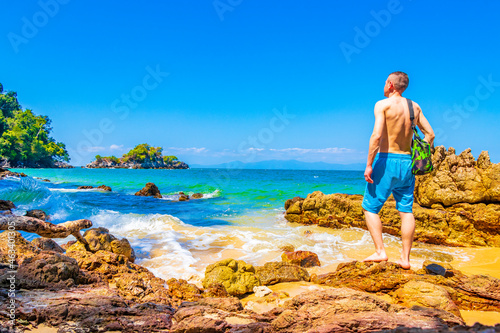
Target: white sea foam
[171, 248]
[70, 190]
[175, 196]
[213, 194]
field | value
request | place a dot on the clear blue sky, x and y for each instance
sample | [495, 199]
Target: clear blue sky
[230, 63]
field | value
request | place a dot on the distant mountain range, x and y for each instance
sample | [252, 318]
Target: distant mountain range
[283, 164]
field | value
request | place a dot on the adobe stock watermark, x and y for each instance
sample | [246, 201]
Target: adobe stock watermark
[470, 104]
[31, 26]
[364, 36]
[223, 6]
[253, 143]
[121, 107]
[11, 253]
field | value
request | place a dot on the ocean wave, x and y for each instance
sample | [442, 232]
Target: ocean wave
[175, 197]
[213, 194]
[72, 190]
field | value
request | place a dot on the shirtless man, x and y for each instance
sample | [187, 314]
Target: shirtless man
[391, 173]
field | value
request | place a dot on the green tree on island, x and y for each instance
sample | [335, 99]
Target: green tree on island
[140, 154]
[25, 137]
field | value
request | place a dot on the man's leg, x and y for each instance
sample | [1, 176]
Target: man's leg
[374, 225]
[407, 232]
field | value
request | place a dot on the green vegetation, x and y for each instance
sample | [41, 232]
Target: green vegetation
[25, 137]
[170, 159]
[140, 154]
[143, 152]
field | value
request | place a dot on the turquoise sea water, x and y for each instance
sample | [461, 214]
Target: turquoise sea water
[240, 215]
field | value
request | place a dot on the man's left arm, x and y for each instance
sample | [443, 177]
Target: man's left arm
[375, 138]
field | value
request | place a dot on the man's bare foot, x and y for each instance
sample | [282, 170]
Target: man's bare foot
[377, 257]
[403, 263]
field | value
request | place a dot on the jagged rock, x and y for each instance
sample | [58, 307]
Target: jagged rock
[366, 276]
[197, 196]
[216, 290]
[6, 205]
[181, 289]
[228, 304]
[85, 187]
[278, 272]
[459, 179]
[150, 190]
[47, 270]
[101, 239]
[458, 225]
[132, 281]
[37, 213]
[477, 292]
[14, 241]
[346, 310]
[104, 188]
[421, 293]
[183, 197]
[237, 277]
[7, 173]
[47, 244]
[92, 310]
[89, 187]
[224, 315]
[290, 202]
[301, 258]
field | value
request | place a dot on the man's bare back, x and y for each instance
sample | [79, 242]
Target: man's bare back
[397, 132]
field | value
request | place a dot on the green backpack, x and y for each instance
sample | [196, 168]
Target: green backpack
[421, 155]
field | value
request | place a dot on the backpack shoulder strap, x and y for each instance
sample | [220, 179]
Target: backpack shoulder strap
[412, 113]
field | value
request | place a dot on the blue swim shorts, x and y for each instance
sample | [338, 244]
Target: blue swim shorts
[391, 174]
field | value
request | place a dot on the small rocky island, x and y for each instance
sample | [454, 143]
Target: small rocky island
[142, 156]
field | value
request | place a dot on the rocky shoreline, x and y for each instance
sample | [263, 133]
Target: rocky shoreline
[7, 173]
[102, 289]
[109, 164]
[5, 164]
[95, 285]
[448, 210]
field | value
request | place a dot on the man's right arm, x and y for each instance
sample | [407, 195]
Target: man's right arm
[425, 127]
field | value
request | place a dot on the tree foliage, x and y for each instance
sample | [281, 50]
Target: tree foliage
[140, 154]
[143, 152]
[170, 159]
[25, 137]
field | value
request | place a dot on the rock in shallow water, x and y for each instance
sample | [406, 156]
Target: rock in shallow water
[150, 190]
[301, 258]
[37, 213]
[197, 196]
[6, 205]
